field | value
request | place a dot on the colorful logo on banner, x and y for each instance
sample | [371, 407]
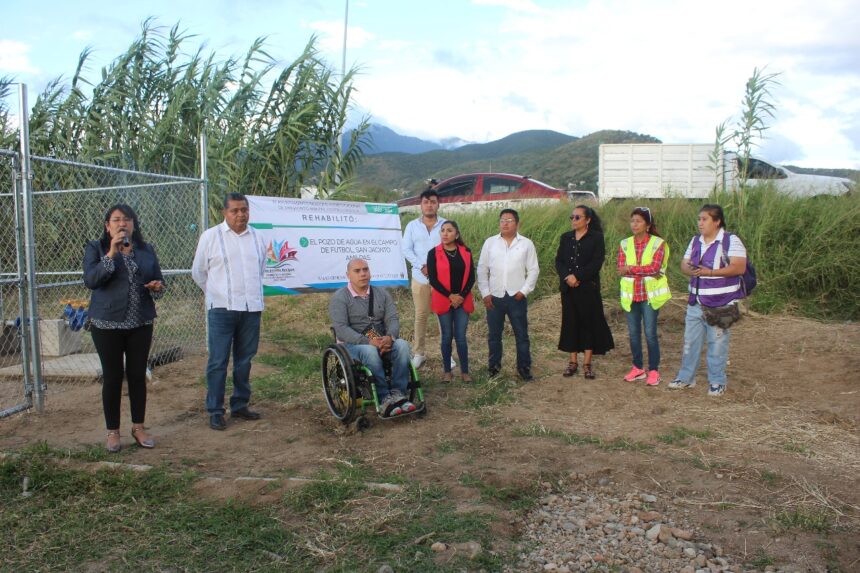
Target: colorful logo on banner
[279, 253]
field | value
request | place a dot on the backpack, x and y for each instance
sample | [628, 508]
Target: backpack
[748, 279]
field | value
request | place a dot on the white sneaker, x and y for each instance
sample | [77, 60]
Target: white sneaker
[417, 361]
[453, 364]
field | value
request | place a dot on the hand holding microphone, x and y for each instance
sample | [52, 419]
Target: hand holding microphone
[125, 242]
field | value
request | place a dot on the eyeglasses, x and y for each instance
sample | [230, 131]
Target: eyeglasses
[576, 217]
[507, 220]
[120, 220]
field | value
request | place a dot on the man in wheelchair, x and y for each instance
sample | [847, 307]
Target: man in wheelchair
[365, 321]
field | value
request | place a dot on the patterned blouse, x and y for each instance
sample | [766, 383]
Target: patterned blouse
[132, 315]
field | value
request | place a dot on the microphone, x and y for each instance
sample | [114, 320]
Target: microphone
[125, 242]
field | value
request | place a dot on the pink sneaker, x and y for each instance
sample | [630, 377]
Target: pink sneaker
[653, 378]
[635, 374]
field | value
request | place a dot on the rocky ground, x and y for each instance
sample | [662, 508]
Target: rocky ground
[597, 530]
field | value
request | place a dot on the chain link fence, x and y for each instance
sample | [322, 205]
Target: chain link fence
[15, 384]
[69, 204]
[69, 201]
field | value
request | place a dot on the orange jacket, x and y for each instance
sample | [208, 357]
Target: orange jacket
[441, 304]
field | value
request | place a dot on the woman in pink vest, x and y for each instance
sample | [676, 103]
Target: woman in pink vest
[714, 261]
[451, 271]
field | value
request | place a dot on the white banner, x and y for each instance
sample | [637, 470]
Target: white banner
[310, 242]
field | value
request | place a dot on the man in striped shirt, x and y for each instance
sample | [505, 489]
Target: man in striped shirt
[228, 266]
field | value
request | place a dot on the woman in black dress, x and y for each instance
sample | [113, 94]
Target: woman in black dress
[580, 255]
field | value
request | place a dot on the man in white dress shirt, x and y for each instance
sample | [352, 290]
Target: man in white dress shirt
[507, 272]
[228, 266]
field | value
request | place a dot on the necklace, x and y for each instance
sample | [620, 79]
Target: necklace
[451, 254]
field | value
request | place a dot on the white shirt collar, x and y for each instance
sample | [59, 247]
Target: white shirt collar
[225, 228]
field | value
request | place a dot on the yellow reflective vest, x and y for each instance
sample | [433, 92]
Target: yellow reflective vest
[657, 288]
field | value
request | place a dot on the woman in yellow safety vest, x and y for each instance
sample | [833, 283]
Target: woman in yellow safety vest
[642, 261]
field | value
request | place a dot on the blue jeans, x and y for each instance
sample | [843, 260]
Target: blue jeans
[453, 326]
[696, 330]
[369, 356]
[240, 331]
[517, 313]
[639, 312]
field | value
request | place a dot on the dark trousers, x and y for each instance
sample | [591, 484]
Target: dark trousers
[113, 346]
[517, 312]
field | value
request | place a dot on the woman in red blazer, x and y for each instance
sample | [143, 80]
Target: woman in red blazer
[451, 271]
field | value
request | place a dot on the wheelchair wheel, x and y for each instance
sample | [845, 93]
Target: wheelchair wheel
[339, 383]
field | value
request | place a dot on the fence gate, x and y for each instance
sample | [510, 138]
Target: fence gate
[49, 209]
[16, 388]
[68, 209]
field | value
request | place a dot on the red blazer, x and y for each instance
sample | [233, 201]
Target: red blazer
[442, 304]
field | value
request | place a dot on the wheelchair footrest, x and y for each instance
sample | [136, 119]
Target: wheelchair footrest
[419, 407]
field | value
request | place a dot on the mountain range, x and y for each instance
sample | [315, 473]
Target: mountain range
[549, 156]
[401, 165]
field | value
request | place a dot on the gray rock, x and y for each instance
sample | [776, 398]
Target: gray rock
[470, 548]
[648, 498]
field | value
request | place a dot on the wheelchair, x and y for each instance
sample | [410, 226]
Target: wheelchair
[349, 388]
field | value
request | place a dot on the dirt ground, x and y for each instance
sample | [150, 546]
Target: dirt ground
[783, 440]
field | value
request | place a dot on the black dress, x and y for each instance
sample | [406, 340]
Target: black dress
[583, 324]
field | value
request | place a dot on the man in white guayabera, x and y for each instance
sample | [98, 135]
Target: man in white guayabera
[228, 266]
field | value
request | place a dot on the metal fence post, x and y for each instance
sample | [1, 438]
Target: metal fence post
[30, 251]
[204, 212]
[22, 286]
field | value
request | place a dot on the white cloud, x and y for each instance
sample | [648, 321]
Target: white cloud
[14, 58]
[670, 69]
[330, 34]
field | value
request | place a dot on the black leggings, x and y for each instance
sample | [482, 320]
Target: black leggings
[111, 346]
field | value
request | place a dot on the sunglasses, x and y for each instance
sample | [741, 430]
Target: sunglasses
[576, 217]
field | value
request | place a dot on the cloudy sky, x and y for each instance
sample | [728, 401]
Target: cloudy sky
[482, 69]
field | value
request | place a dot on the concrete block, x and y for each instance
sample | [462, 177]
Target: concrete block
[58, 339]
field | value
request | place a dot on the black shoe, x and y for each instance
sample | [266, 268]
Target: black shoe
[245, 414]
[217, 422]
[525, 374]
[493, 371]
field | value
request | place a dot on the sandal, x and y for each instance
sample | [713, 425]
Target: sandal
[571, 370]
[447, 377]
[588, 372]
[148, 443]
[116, 447]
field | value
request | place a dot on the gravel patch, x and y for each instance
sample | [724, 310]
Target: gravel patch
[594, 529]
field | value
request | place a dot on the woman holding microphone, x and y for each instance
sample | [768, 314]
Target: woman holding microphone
[125, 278]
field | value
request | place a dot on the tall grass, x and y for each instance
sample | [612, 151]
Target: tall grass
[804, 249]
[271, 129]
